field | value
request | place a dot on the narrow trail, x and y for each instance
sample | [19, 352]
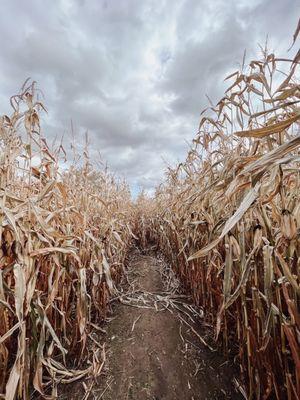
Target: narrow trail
[153, 354]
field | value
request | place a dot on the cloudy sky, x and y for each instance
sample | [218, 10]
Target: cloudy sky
[133, 73]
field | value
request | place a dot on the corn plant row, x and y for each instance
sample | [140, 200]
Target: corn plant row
[64, 236]
[228, 221]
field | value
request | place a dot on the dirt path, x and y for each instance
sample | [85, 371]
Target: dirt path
[152, 353]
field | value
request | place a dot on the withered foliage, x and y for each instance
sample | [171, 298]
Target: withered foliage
[228, 220]
[64, 235]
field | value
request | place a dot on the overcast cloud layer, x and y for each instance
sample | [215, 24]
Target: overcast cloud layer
[133, 73]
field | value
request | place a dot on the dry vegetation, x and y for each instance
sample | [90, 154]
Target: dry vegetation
[64, 237]
[228, 221]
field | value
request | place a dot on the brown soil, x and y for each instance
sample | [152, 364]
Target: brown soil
[152, 355]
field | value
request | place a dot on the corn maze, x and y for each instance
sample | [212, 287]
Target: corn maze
[227, 220]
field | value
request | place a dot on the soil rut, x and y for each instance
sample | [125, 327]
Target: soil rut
[153, 355]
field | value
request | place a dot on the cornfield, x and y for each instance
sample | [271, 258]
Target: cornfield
[228, 221]
[64, 237]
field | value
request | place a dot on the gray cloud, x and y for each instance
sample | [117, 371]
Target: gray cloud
[132, 73]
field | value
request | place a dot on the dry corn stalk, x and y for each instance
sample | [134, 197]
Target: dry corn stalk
[228, 220]
[64, 236]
